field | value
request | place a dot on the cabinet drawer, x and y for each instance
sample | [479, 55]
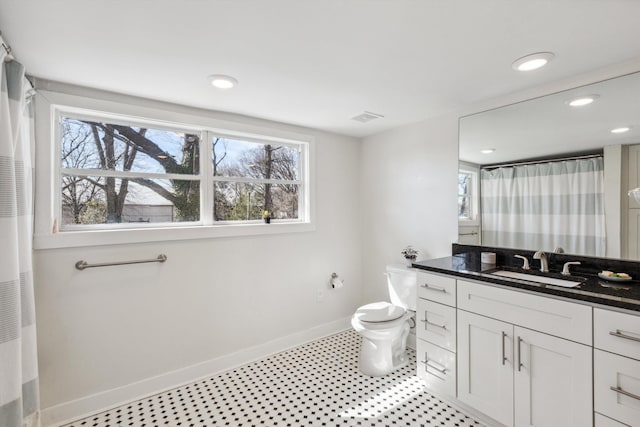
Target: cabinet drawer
[602, 421]
[437, 288]
[436, 323]
[437, 367]
[555, 317]
[617, 332]
[617, 387]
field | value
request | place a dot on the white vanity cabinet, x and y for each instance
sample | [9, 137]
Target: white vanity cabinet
[528, 359]
[617, 367]
[519, 376]
[436, 332]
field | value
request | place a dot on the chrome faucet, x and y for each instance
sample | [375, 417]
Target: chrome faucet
[525, 261]
[544, 266]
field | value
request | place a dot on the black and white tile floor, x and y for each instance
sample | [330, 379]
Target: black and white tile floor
[316, 384]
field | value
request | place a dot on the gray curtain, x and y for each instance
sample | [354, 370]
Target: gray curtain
[544, 206]
[19, 397]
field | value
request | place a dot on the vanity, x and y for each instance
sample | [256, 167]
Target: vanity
[525, 353]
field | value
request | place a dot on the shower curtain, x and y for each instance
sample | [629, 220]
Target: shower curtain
[19, 397]
[545, 206]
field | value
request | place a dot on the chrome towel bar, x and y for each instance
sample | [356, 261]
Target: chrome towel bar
[81, 265]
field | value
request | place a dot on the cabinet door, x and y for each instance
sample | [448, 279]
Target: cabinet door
[617, 387]
[485, 365]
[436, 287]
[617, 332]
[553, 381]
[437, 367]
[436, 324]
[602, 421]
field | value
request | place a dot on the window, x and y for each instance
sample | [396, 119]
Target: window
[467, 197]
[116, 173]
[253, 178]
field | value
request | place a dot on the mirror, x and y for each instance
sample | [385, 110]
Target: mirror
[539, 133]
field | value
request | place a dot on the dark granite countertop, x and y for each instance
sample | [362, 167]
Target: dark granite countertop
[625, 295]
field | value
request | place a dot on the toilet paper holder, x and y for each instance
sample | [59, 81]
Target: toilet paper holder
[335, 281]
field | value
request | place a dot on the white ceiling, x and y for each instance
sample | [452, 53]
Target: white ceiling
[318, 63]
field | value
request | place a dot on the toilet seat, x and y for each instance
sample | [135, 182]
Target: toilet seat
[379, 312]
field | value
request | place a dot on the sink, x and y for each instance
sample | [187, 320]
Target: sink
[566, 283]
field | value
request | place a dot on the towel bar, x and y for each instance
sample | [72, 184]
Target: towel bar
[81, 265]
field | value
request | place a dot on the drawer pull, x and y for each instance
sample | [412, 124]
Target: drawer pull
[625, 392]
[433, 365]
[426, 322]
[504, 358]
[520, 365]
[434, 288]
[619, 334]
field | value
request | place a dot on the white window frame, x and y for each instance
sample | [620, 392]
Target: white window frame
[472, 195]
[302, 166]
[51, 106]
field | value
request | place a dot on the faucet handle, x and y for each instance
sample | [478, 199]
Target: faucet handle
[565, 268]
[525, 262]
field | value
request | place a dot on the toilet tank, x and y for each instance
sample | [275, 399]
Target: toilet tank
[402, 283]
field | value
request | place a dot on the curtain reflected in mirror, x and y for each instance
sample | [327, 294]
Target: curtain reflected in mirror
[545, 205]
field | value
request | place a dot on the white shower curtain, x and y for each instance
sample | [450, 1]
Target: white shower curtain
[19, 397]
[544, 206]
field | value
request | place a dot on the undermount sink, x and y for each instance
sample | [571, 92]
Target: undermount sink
[538, 279]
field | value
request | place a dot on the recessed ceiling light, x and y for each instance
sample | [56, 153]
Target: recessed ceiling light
[621, 129]
[487, 150]
[533, 61]
[582, 100]
[222, 81]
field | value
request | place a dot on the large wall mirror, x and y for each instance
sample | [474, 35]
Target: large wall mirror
[553, 172]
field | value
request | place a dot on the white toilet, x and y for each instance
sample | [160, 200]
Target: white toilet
[384, 326]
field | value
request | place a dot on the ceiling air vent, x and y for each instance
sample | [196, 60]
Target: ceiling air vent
[367, 116]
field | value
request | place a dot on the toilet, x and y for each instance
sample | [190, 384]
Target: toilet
[384, 326]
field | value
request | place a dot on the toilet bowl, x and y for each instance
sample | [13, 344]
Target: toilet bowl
[384, 326]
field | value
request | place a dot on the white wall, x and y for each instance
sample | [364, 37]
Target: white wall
[105, 328]
[409, 197]
[409, 182]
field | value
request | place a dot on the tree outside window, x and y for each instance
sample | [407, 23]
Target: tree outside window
[115, 173]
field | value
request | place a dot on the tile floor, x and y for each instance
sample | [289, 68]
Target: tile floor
[316, 384]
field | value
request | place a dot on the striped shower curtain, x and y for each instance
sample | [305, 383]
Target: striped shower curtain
[19, 398]
[545, 206]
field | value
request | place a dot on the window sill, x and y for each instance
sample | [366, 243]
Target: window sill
[73, 239]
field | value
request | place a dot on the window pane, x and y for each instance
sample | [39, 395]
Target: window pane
[100, 200]
[100, 145]
[237, 201]
[254, 160]
[464, 207]
[464, 184]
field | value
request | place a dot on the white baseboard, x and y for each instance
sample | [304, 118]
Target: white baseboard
[72, 410]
